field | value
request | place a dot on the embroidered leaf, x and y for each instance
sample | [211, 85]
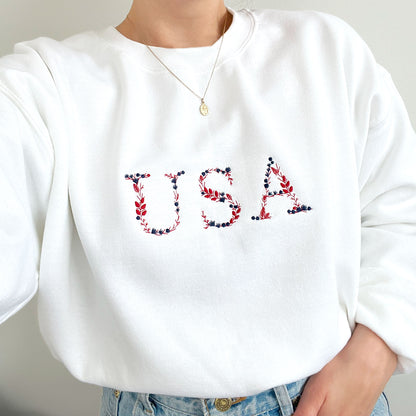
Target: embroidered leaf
[201, 178]
[233, 213]
[207, 196]
[282, 185]
[136, 188]
[144, 213]
[142, 200]
[284, 178]
[267, 215]
[238, 210]
[275, 171]
[143, 206]
[216, 193]
[210, 190]
[291, 189]
[205, 190]
[287, 183]
[285, 191]
[228, 196]
[137, 204]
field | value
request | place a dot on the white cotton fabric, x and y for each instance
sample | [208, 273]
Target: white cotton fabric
[137, 296]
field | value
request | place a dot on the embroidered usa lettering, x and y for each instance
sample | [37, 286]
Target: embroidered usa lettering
[216, 196]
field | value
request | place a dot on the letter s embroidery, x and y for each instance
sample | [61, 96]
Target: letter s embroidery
[219, 197]
[141, 204]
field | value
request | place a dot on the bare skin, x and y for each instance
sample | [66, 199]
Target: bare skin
[175, 23]
[351, 382]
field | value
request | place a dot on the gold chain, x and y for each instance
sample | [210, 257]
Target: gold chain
[203, 108]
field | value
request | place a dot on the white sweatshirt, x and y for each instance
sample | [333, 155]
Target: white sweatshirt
[208, 256]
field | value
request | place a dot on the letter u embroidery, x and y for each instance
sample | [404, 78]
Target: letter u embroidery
[141, 203]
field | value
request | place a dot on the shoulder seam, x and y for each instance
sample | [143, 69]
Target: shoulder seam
[19, 104]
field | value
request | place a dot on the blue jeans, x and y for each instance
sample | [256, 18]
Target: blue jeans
[277, 401]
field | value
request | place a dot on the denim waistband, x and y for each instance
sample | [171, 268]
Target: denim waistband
[284, 396]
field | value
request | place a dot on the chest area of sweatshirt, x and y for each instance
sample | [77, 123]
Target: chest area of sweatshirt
[276, 144]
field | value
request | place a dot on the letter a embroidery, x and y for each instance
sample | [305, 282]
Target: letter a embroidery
[219, 197]
[141, 204]
[287, 190]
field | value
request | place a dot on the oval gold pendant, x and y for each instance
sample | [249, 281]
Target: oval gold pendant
[203, 109]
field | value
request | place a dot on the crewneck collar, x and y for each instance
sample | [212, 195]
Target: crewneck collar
[200, 58]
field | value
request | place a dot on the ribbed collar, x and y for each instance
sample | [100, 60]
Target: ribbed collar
[195, 59]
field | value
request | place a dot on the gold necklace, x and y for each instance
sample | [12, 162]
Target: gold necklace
[203, 108]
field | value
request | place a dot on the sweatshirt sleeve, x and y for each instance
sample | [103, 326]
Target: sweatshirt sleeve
[26, 167]
[387, 183]
[385, 146]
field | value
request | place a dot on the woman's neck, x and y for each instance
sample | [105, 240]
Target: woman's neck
[175, 23]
